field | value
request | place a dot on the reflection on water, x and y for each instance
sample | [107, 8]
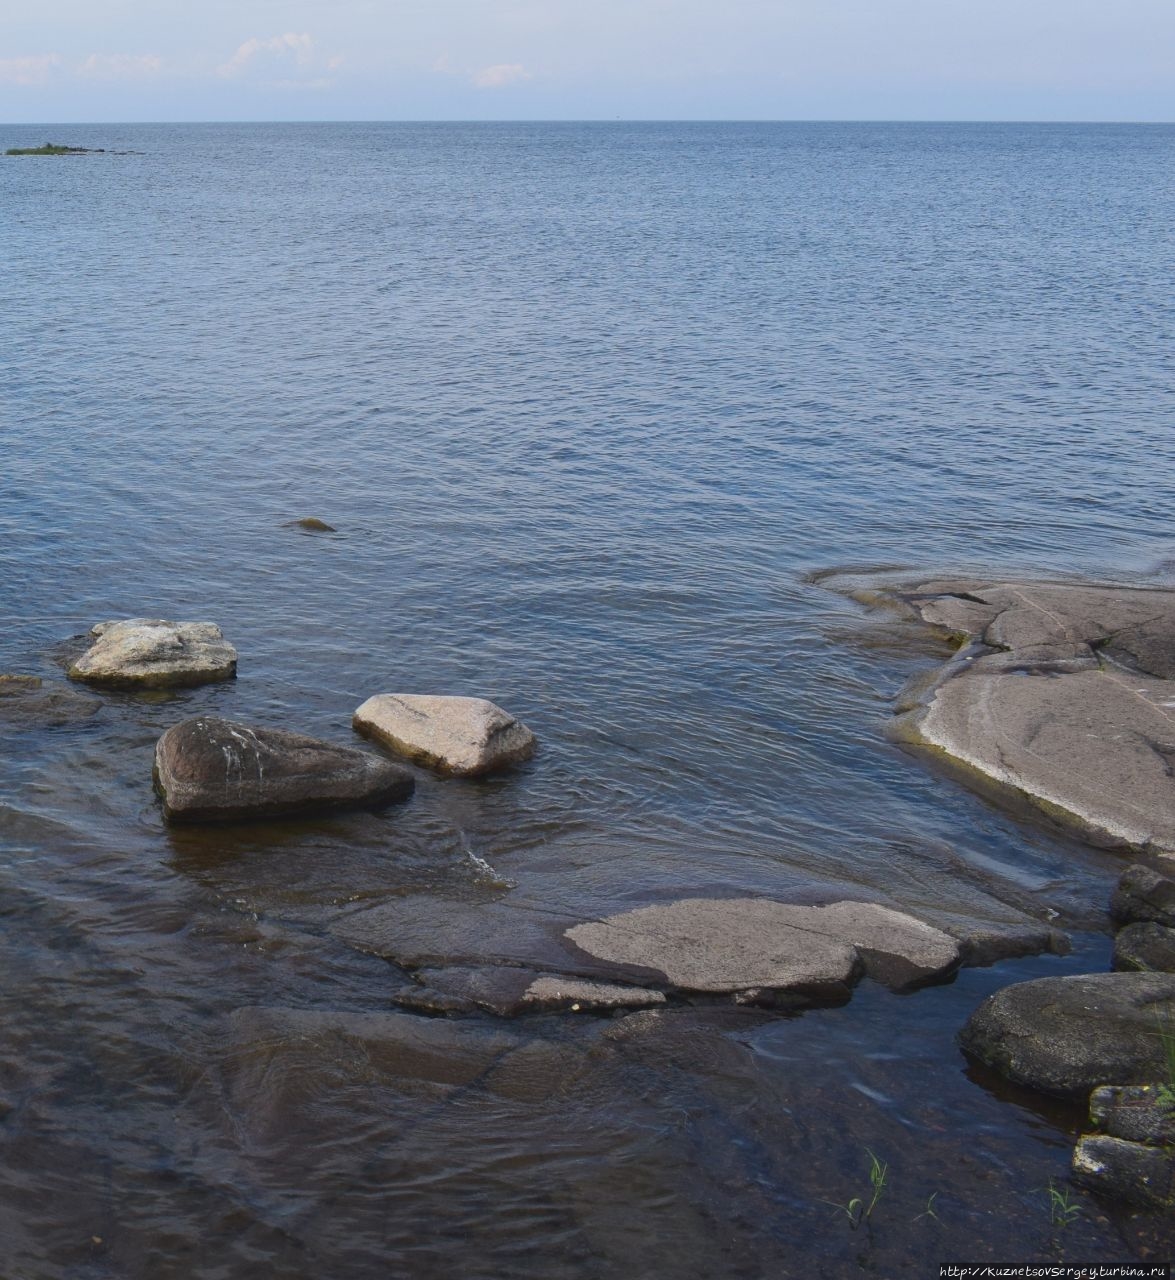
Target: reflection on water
[584, 405]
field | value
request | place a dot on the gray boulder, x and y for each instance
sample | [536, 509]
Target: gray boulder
[1126, 1171]
[466, 737]
[1068, 1035]
[213, 770]
[153, 653]
[1146, 946]
[1143, 894]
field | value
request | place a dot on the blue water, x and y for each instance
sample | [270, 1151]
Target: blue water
[585, 404]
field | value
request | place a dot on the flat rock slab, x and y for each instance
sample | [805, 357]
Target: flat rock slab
[1065, 696]
[213, 770]
[152, 653]
[511, 957]
[1068, 1035]
[730, 945]
[465, 737]
[509, 992]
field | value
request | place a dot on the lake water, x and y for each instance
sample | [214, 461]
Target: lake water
[586, 403]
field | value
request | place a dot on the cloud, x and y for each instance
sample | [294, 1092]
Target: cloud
[293, 45]
[31, 69]
[500, 75]
[121, 66]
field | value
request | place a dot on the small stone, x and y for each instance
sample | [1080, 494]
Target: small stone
[1146, 946]
[466, 737]
[1127, 1171]
[312, 524]
[214, 770]
[153, 653]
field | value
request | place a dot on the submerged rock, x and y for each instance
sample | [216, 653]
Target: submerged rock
[311, 524]
[18, 684]
[28, 700]
[466, 737]
[1064, 696]
[1127, 1171]
[1068, 1035]
[153, 653]
[509, 992]
[213, 770]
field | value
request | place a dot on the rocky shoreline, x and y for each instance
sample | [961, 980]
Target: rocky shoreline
[1059, 693]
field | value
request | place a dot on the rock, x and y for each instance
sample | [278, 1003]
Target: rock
[28, 700]
[1068, 1035]
[213, 770]
[18, 684]
[1064, 697]
[1127, 1171]
[1144, 895]
[151, 653]
[466, 737]
[311, 524]
[509, 958]
[1146, 946]
[509, 992]
[1135, 1112]
[707, 944]
[981, 945]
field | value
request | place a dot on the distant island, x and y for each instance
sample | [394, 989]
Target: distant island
[53, 149]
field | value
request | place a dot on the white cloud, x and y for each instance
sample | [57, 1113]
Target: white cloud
[293, 45]
[500, 75]
[121, 66]
[31, 69]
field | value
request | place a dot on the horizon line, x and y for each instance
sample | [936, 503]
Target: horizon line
[34, 124]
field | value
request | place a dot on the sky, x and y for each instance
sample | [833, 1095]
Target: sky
[170, 60]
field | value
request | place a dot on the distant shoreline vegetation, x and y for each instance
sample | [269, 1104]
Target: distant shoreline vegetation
[53, 149]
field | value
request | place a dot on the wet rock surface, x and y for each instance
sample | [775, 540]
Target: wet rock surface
[1126, 1171]
[1068, 1035]
[153, 653]
[465, 737]
[1063, 693]
[509, 959]
[509, 992]
[213, 770]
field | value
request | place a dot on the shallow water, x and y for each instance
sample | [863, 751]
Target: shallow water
[585, 404]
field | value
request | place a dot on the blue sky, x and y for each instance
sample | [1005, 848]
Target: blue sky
[135, 60]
